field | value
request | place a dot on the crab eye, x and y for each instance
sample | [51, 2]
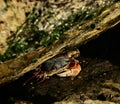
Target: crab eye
[72, 64]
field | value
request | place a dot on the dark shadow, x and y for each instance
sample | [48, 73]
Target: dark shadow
[15, 91]
[106, 46]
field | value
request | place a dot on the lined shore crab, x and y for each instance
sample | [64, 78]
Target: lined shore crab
[62, 66]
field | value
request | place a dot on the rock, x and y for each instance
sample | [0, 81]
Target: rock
[89, 101]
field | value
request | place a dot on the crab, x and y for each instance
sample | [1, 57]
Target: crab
[62, 66]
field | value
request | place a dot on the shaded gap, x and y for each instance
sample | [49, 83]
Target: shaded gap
[106, 46]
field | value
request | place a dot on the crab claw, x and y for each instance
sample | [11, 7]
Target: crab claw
[73, 70]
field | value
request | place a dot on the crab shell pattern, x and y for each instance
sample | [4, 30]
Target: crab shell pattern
[62, 66]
